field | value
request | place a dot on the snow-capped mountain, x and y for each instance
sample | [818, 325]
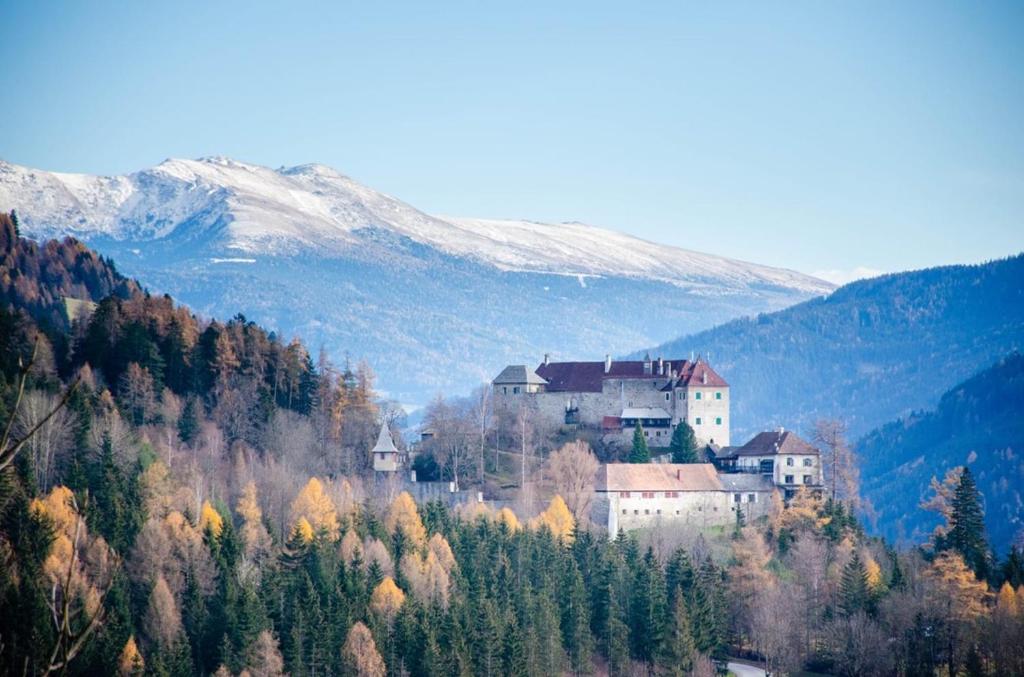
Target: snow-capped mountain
[308, 249]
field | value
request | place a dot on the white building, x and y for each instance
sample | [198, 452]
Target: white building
[788, 460]
[631, 496]
[612, 395]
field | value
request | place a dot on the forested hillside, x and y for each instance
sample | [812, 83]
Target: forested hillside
[980, 424]
[190, 497]
[872, 351]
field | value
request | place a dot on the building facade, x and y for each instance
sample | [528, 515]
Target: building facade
[611, 396]
[642, 495]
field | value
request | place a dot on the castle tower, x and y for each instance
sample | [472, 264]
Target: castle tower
[385, 453]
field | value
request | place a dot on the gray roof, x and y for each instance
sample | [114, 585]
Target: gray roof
[518, 374]
[745, 482]
[776, 442]
[384, 441]
[644, 412]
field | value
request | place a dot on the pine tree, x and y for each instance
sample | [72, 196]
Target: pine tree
[967, 526]
[1013, 567]
[576, 620]
[854, 594]
[188, 422]
[678, 650]
[684, 444]
[639, 453]
[647, 609]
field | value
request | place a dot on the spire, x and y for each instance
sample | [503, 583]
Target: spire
[384, 441]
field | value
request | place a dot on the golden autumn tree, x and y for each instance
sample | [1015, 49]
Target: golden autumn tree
[303, 530]
[509, 519]
[958, 598]
[131, 663]
[360, 653]
[403, 516]
[557, 519]
[387, 598]
[316, 507]
[210, 519]
[79, 570]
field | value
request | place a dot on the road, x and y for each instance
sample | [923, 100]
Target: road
[745, 670]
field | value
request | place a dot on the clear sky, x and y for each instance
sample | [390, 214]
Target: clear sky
[817, 136]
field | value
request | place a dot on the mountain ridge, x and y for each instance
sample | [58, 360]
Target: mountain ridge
[869, 352]
[434, 304]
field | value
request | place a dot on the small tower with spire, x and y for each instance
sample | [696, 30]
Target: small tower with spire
[385, 453]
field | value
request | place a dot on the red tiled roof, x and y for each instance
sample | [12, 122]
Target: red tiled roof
[611, 423]
[657, 477]
[586, 377]
[695, 373]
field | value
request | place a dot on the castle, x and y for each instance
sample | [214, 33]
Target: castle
[612, 396]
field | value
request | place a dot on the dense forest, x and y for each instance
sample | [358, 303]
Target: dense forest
[870, 352]
[183, 496]
[979, 424]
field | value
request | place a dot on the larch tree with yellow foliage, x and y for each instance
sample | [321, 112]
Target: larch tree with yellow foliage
[316, 507]
[387, 598]
[959, 599]
[210, 520]
[255, 537]
[131, 663]
[403, 516]
[557, 519]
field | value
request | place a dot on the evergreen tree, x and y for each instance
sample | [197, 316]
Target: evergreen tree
[684, 444]
[576, 620]
[188, 422]
[639, 453]
[678, 650]
[967, 526]
[1013, 567]
[854, 594]
[647, 609]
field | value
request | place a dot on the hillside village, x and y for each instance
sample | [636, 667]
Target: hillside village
[616, 401]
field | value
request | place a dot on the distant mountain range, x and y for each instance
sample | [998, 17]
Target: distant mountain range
[870, 352]
[980, 424]
[431, 302]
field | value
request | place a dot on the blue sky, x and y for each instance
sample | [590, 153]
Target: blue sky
[818, 136]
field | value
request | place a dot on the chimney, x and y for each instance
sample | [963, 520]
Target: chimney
[691, 356]
[661, 367]
[607, 363]
[781, 430]
[704, 377]
[547, 358]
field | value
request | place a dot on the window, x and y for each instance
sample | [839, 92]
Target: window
[696, 395]
[671, 494]
[504, 390]
[698, 420]
[636, 512]
[677, 512]
[737, 498]
[718, 420]
[515, 390]
[624, 511]
[788, 479]
[751, 498]
[647, 494]
[647, 511]
[808, 462]
[807, 479]
[718, 396]
[624, 494]
[658, 511]
[668, 396]
[789, 462]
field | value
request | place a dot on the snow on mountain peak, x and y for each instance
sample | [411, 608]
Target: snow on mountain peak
[255, 209]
